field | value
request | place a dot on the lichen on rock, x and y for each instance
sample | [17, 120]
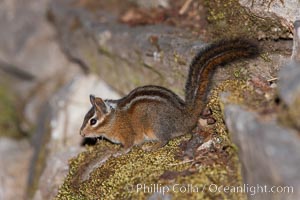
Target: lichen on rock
[238, 20]
[8, 118]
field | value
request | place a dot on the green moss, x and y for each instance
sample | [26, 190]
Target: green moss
[265, 57]
[228, 15]
[110, 180]
[8, 117]
[179, 59]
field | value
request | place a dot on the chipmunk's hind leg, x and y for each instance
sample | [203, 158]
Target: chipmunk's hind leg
[167, 131]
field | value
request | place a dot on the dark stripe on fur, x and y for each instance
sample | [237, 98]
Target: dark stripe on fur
[87, 117]
[151, 91]
[141, 101]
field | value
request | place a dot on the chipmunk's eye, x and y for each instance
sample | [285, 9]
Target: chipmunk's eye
[93, 121]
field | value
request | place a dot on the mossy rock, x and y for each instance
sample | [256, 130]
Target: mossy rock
[229, 18]
[8, 117]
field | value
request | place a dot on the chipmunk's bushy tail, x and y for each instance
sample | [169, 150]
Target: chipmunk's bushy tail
[204, 64]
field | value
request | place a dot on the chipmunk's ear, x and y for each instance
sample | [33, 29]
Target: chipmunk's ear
[98, 104]
[92, 99]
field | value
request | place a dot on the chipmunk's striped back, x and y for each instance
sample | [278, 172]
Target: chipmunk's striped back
[150, 92]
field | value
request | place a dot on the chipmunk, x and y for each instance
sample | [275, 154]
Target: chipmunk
[154, 113]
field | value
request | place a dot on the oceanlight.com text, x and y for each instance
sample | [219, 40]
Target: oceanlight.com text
[212, 188]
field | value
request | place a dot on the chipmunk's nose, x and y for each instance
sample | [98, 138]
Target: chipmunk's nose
[82, 134]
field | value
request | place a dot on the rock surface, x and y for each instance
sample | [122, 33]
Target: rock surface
[140, 55]
[289, 87]
[28, 44]
[15, 161]
[150, 54]
[288, 11]
[32, 68]
[269, 152]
